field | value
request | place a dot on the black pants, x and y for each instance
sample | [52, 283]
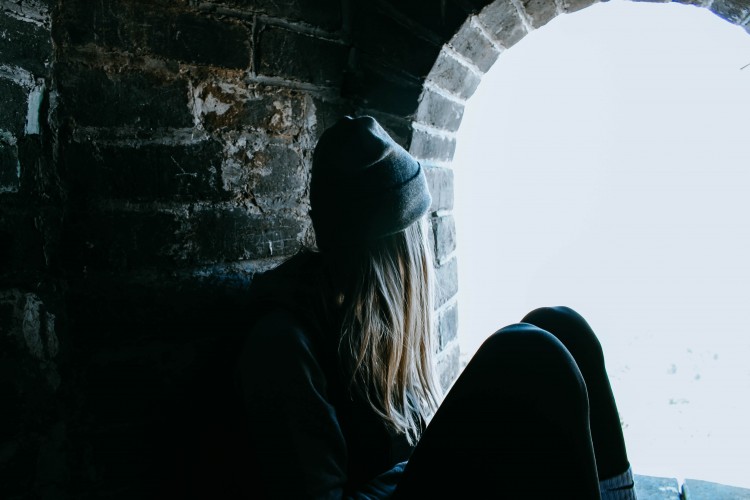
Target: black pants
[531, 416]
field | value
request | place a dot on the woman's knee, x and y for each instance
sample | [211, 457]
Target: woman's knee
[570, 328]
[524, 351]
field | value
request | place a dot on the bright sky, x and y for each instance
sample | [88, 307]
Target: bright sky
[602, 164]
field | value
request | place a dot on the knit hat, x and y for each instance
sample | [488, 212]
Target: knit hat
[364, 185]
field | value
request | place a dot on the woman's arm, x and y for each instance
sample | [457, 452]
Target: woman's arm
[294, 432]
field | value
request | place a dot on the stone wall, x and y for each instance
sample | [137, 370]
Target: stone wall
[154, 156]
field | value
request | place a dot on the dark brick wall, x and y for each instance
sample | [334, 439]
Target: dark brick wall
[154, 156]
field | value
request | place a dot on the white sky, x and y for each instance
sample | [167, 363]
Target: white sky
[602, 164]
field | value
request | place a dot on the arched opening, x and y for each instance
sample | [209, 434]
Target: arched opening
[619, 191]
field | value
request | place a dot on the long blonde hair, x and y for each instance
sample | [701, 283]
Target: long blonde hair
[387, 341]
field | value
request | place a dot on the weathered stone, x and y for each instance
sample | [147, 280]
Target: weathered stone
[13, 107]
[376, 87]
[539, 12]
[21, 242]
[195, 39]
[471, 43]
[697, 3]
[325, 14]
[448, 326]
[576, 5]
[694, 489]
[656, 488]
[270, 176]
[440, 181]
[448, 366]
[326, 113]
[107, 23]
[444, 233]
[503, 22]
[97, 98]
[125, 241]
[734, 11]
[441, 19]
[295, 56]
[446, 281]
[451, 75]
[235, 234]
[148, 172]
[440, 112]
[25, 44]
[427, 146]
[368, 27]
[277, 113]
[10, 167]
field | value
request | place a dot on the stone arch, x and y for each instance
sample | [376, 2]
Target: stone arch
[454, 77]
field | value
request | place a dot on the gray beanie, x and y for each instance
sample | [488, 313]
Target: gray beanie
[364, 185]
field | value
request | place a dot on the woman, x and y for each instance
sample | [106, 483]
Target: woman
[338, 374]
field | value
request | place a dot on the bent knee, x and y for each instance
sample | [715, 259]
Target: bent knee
[569, 327]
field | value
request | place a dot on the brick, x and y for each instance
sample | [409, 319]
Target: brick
[734, 11]
[443, 19]
[661, 488]
[13, 107]
[440, 181]
[571, 6]
[325, 14]
[123, 241]
[453, 76]
[107, 23]
[272, 177]
[21, 242]
[473, 45]
[200, 40]
[327, 113]
[446, 281]
[299, 57]
[705, 490]
[235, 234]
[697, 3]
[502, 21]
[25, 44]
[448, 366]
[278, 112]
[377, 87]
[539, 12]
[439, 111]
[10, 167]
[426, 146]
[444, 234]
[369, 26]
[448, 326]
[149, 172]
[97, 98]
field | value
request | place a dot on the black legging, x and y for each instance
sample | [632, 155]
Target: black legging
[519, 421]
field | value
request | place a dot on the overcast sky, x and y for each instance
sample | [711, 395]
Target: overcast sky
[603, 164]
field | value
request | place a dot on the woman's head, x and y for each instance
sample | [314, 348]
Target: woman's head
[368, 201]
[364, 185]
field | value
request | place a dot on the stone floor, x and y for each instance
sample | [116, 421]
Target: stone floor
[661, 488]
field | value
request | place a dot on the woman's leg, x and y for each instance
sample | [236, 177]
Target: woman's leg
[606, 431]
[514, 425]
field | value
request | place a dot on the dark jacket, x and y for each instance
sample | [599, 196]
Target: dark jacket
[310, 435]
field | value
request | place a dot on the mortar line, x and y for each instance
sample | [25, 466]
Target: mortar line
[523, 15]
[463, 60]
[483, 30]
[431, 85]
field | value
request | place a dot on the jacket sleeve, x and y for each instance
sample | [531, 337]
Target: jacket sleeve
[294, 432]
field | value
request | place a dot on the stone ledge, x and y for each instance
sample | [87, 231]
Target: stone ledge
[662, 488]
